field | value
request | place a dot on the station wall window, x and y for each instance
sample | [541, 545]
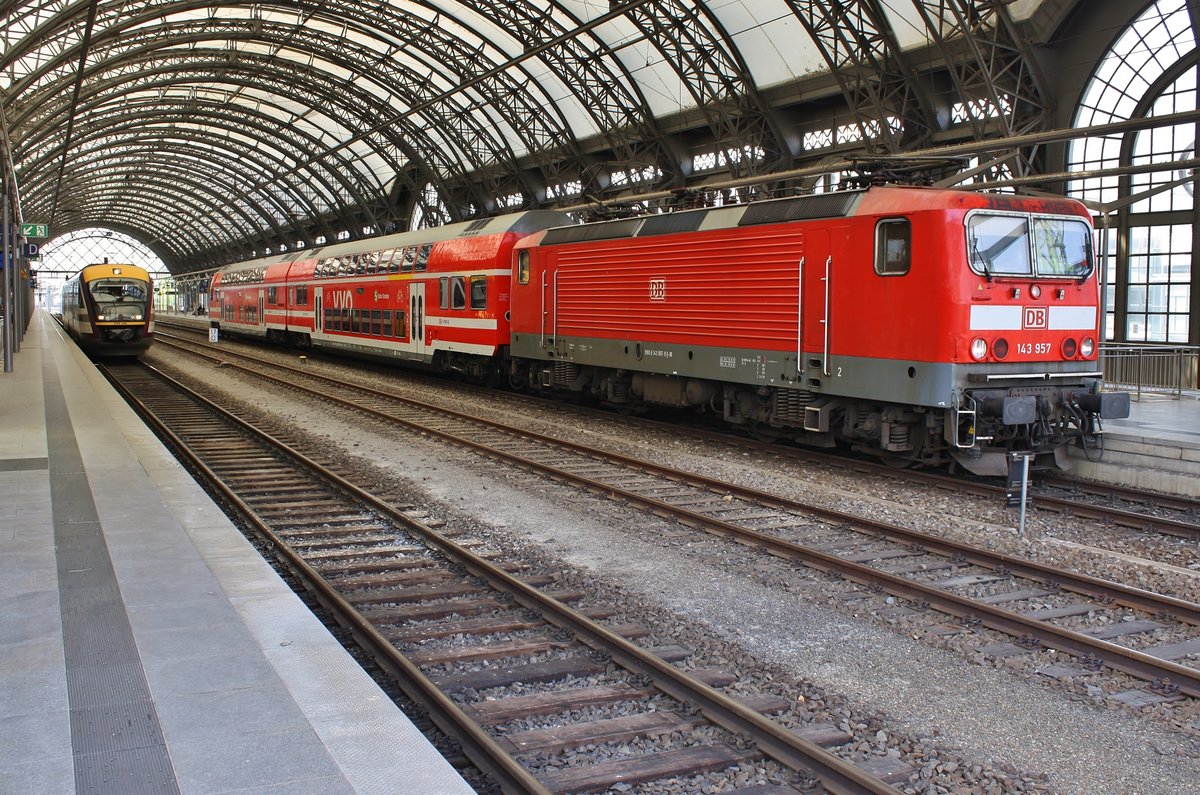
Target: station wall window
[479, 292]
[893, 247]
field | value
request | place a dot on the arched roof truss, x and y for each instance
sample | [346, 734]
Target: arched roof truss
[215, 130]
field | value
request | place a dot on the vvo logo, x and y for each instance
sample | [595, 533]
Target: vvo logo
[1034, 317]
[658, 289]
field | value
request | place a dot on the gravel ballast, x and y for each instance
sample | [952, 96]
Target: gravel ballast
[991, 716]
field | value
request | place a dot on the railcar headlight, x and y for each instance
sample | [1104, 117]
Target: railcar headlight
[978, 349]
[1000, 348]
[1069, 348]
[1088, 347]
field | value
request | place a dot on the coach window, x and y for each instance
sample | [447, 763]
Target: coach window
[400, 325]
[523, 268]
[407, 258]
[458, 292]
[444, 292]
[271, 294]
[893, 247]
[423, 256]
[479, 292]
[376, 322]
[393, 261]
[302, 295]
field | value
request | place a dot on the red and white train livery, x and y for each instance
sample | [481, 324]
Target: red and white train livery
[918, 324]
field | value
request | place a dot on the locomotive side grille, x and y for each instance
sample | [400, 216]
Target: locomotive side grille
[790, 405]
[565, 373]
[821, 205]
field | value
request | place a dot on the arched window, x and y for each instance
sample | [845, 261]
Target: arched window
[1150, 70]
[430, 210]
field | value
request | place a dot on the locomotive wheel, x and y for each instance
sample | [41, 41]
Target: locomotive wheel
[765, 433]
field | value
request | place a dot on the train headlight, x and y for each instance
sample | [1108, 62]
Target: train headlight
[1088, 347]
[978, 349]
[1069, 348]
[1035, 291]
[1000, 348]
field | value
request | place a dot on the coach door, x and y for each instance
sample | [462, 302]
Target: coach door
[816, 320]
[416, 317]
[262, 305]
[318, 316]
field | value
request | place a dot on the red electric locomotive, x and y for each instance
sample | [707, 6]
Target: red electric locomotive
[918, 324]
[435, 298]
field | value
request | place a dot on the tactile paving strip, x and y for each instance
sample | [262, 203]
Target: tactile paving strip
[116, 738]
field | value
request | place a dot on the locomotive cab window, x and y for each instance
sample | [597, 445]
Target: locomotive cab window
[893, 247]
[523, 268]
[479, 292]
[1062, 247]
[1013, 244]
[998, 245]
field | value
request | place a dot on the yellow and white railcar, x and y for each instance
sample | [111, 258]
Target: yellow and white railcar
[108, 309]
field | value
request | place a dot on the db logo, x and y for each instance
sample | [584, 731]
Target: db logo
[658, 289]
[1034, 317]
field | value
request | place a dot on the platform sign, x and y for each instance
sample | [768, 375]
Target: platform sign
[35, 230]
[31, 251]
[213, 334]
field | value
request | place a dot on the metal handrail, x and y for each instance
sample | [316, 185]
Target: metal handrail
[1162, 370]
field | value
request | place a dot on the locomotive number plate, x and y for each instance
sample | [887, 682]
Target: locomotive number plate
[1033, 348]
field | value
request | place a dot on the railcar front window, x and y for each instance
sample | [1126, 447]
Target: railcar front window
[119, 299]
[998, 245]
[1062, 247]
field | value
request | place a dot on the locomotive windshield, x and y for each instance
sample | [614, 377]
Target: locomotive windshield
[1022, 245]
[119, 299]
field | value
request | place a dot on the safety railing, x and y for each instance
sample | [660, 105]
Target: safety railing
[1151, 370]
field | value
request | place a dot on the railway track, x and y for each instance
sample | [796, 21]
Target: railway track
[460, 629]
[1036, 606]
[1112, 505]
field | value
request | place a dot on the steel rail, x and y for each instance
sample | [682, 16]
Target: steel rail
[836, 774]
[478, 745]
[1139, 664]
[1129, 596]
[1064, 505]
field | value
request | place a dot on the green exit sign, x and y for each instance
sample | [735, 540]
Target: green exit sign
[35, 230]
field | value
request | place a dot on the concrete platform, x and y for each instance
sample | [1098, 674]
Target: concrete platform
[145, 646]
[1157, 447]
